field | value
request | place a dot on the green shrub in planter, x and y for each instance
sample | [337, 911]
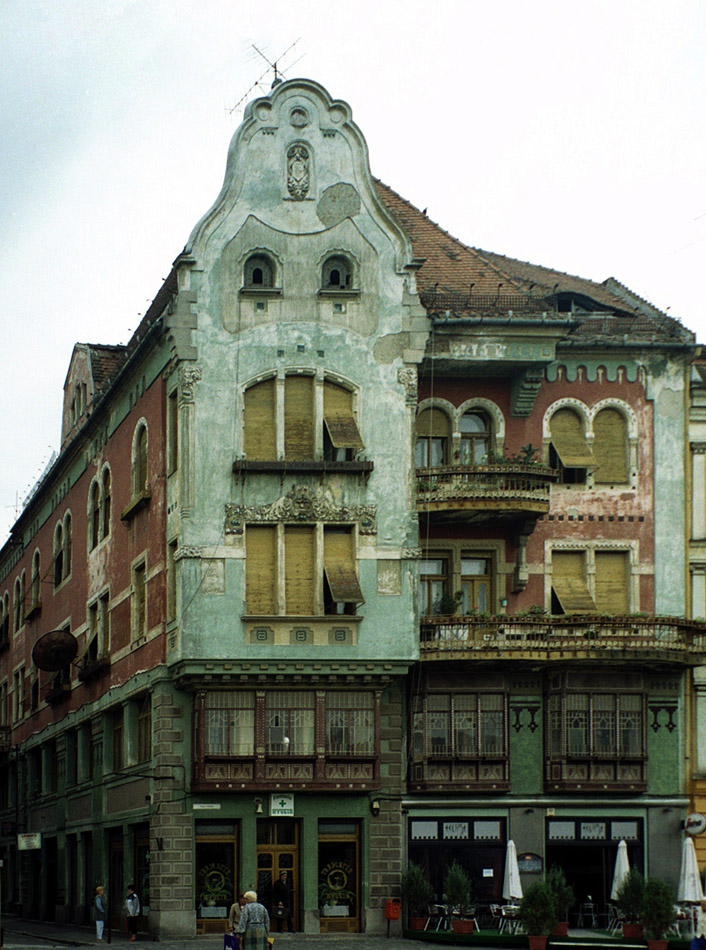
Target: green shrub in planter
[457, 888]
[417, 892]
[537, 910]
[563, 892]
[630, 895]
[657, 912]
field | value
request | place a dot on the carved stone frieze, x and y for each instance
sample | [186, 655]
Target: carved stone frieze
[187, 551]
[188, 377]
[298, 171]
[301, 504]
[407, 376]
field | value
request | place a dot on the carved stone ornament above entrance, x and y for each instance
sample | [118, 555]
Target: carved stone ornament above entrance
[298, 171]
[301, 504]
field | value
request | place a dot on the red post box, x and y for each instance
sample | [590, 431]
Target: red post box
[393, 908]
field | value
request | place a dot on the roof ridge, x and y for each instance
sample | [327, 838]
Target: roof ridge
[467, 247]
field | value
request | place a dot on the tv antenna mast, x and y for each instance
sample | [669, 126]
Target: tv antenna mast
[275, 68]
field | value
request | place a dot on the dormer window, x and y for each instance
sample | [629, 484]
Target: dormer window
[336, 274]
[259, 273]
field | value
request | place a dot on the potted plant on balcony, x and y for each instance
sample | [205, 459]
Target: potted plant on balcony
[563, 898]
[416, 894]
[629, 899]
[657, 913]
[538, 914]
[457, 894]
[447, 604]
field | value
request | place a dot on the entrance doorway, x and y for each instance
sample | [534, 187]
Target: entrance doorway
[216, 877]
[339, 876]
[278, 850]
[116, 884]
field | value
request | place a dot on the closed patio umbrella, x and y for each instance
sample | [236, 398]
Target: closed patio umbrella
[690, 890]
[622, 866]
[512, 889]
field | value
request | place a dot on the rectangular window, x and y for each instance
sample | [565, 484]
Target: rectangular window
[261, 570]
[171, 582]
[433, 585]
[612, 574]
[570, 592]
[117, 730]
[597, 725]
[298, 418]
[475, 584]
[300, 570]
[341, 435]
[350, 728]
[289, 722]
[260, 412]
[139, 601]
[18, 694]
[144, 730]
[172, 432]
[341, 589]
[460, 725]
[71, 757]
[229, 723]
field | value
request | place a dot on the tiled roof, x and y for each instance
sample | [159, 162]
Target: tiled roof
[453, 271]
[105, 363]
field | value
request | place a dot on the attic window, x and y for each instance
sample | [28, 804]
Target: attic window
[259, 273]
[336, 274]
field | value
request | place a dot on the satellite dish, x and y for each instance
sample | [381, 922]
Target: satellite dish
[55, 650]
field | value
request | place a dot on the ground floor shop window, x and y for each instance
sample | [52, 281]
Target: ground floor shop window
[586, 848]
[216, 879]
[339, 876]
[478, 844]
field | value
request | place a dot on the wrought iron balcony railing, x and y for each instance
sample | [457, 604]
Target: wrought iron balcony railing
[512, 486]
[591, 638]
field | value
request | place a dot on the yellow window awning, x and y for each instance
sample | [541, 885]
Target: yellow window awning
[573, 595]
[569, 440]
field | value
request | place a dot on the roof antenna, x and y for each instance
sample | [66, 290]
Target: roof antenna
[275, 67]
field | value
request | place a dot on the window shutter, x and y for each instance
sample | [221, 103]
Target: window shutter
[433, 423]
[260, 438]
[260, 569]
[569, 583]
[611, 451]
[569, 440]
[299, 418]
[299, 569]
[339, 567]
[339, 419]
[612, 582]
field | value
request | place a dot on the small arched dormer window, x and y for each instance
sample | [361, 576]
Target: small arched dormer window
[258, 273]
[336, 273]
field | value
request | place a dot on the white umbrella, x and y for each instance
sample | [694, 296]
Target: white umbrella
[690, 890]
[622, 866]
[512, 889]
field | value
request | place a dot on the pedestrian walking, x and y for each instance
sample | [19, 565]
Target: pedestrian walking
[99, 910]
[132, 911]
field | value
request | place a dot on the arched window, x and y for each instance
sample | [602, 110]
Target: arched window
[19, 618]
[68, 542]
[336, 273]
[5, 618]
[610, 447]
[432, 438]
[94, 515]
[476, 436]
[258, 272]
[139, 465]
[58, 555]
[569, 451]
[105, 504]
[36, 580]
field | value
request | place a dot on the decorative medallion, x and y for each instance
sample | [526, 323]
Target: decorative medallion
[301, 504]
[298, 171]
[298, 118]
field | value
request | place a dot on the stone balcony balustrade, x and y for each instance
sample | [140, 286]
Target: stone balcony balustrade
[513, 489]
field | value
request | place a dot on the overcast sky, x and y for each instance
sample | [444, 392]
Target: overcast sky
[570, 134]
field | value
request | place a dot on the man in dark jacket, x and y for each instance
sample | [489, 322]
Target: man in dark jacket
[282, 902]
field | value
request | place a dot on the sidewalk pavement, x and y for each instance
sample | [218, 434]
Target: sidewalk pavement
[40, 935]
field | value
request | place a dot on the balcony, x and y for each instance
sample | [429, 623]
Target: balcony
[479, 491]
[593, 639]
[334, 773]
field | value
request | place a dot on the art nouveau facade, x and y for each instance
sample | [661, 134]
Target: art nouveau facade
[373, 548]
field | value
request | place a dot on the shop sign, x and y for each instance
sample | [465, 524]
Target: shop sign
[529, 863]
[455, 829]
[282, 806]
[694, 824]
[206, 806]
[29, 842]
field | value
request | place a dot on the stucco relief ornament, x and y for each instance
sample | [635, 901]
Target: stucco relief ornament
[298, 171]
[407, 376]
[188, 378]
[301, 504]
